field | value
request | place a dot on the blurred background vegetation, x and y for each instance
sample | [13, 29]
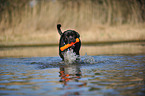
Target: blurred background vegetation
[34, 21]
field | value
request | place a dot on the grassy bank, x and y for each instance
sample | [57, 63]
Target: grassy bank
[100, 34]
[34, 21]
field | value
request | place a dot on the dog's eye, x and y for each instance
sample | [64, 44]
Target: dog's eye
[66, 37]
[74, 36]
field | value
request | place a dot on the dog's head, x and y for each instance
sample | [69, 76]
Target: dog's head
[70, 36]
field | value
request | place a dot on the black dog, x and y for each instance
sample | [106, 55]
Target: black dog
[66, 38]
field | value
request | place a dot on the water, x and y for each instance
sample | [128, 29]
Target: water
[70, 57]
[104, 70]
[108, 75]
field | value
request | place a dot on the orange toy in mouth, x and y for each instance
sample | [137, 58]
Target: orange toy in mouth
[69, 45]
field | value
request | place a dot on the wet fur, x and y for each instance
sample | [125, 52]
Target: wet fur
[68, 36]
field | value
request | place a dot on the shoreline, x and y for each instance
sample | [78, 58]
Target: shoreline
[13, 45]
[131, 48]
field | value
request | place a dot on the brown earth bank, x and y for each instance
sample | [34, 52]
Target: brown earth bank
[136, 48]
[94, 35]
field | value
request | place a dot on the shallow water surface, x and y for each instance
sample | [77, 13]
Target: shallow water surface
[112, 75]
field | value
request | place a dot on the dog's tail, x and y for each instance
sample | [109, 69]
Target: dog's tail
[58, 28]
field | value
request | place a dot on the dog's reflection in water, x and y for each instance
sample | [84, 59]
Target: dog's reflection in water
[69, 76]
[69, 73]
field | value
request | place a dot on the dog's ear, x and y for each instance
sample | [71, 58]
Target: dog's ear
[77, 34]
[63, 35]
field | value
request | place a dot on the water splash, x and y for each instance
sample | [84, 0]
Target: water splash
[89, 59]
[70, 57]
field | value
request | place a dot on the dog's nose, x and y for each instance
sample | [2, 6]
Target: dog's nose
[71, 38]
